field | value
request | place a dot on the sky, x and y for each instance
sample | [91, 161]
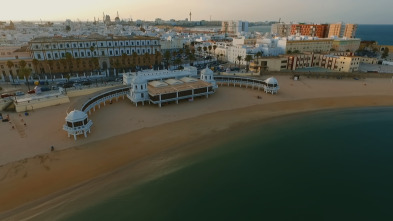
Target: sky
[312, 11]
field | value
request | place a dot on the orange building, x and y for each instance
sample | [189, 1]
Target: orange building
[319, 31]
[342, 30]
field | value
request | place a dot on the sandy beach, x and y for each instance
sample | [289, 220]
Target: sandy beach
[143, 139]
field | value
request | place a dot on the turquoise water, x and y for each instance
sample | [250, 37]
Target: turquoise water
[333, 165]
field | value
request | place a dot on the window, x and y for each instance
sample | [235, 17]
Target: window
[76, 54]
[102, 44]
[61, 45]
[110, 52]
[68, 45]
[137, 43]
[82, 54]
[74, 45]
[132, 43]
[103, 53]
[38, 56]
[80, 45]
[115, 43]
[127, 43]
[88, 53]
[56, 55]
[110, 44]
[62, 54]
[36, 47]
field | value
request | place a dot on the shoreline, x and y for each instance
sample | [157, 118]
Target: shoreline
[87, 162]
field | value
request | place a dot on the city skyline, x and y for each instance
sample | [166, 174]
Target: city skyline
[351, 11]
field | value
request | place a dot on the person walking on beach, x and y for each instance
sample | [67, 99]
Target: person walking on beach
[52, 148]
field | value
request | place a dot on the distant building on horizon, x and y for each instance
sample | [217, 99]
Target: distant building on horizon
[342, 30]
[312, 30]
[234, 27]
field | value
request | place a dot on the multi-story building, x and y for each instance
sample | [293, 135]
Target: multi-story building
[346, 44]
[269, 64]
[13, 55]
[234, 27]
[172, 44]
[95, 46]
[281, 29]
[319, 31]
[306, 44]
[342, 30]
[342, 62]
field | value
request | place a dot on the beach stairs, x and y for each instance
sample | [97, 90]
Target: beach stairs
[7, 105]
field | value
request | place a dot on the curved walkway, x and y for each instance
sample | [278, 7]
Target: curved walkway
[245, 82]
[102, 97]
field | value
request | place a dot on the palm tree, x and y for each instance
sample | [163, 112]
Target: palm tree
[69, 59]
[96, 63]
[192, 58]
[239, 58]
[177, 62]
[50, 65]
[167, 57]
[24, 72]
[205, 49]
[199, 50]
[63, 62]
[248, 58]
[10, 64]
[123, 60]
[78, 63]
[158, 57]
[259, 54]
[35, 65]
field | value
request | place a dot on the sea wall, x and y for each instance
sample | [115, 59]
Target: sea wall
[41, 102]
[85, 91]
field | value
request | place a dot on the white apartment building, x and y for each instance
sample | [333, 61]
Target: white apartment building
[172, 43]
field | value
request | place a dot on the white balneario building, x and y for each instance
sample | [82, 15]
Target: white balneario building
[165, 86]
[55, 48]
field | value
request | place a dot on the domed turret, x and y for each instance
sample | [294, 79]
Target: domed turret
[77, 123]
[208, 76]
[271, 85]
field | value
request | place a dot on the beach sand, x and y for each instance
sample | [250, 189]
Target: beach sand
[146, 138]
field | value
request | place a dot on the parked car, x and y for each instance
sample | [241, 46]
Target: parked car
[45, 89]
[31, 92]
[67, 85]
[19, 93]
[77, 85]
[55, 88]
[86, 82]
[6, 95]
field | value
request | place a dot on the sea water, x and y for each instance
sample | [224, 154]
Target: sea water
[330, 165]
